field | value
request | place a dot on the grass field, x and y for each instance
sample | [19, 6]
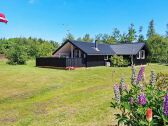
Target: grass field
[51, 97]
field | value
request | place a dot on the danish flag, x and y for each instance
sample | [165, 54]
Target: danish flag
[3, 18]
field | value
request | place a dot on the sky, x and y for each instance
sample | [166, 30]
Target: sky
[53, 19]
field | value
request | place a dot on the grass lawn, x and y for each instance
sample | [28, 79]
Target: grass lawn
[47, 97]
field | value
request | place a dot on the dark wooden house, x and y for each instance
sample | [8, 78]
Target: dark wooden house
[88, 54]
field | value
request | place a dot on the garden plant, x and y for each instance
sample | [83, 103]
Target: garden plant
[144, 104]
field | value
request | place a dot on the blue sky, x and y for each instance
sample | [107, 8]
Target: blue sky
[50, 19]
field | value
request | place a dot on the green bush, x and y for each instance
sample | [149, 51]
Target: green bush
[17, 55]
[118, 61]
[162, 81]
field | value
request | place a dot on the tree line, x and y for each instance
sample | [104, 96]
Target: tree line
[156, 43]
[19, 50]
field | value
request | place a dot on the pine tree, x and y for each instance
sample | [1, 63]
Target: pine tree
[87, 38]
[151, 29]
[69, 36]
[131, 36]
[140, 37]
[116, 34]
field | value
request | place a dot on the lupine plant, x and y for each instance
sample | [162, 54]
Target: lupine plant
[144, 104]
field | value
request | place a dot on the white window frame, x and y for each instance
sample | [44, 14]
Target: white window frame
[106, 57]
[141, 54]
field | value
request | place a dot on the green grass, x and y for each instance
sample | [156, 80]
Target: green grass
[47, 97]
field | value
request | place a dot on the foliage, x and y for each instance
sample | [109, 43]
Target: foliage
[131, 36]
[30, 47]
[69, 36]
[119, 61]
[105, 38]
[151, 29]
[138, 103]
[158, 47]
[141, 37]
[167, 30]
[116, 34]
[162, 81]
[87, 38]
[17, 55]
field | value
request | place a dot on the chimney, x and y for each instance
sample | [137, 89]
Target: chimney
[96, 46]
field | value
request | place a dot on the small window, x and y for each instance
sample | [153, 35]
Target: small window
[141, 54]
[105, 57]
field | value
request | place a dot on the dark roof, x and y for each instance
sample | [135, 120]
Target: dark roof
[89, 48]
[127, 48]
[107, 49]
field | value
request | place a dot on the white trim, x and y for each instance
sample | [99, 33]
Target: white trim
[141, 54]
[106, 57]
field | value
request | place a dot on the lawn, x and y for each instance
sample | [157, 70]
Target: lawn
[47, 97]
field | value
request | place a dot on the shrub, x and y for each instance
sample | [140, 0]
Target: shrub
[144, 104]
[17, 55]
[118, 61]
[162, 81]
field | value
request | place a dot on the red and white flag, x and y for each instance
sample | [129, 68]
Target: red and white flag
[3, 18]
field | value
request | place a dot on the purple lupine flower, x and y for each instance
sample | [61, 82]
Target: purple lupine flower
[140, 74]
[165, 105]
[131, 100]
[117, 93]
[142, 99]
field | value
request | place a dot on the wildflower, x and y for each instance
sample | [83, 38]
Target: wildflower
[165, 105]
[142, 99]
[131, 100]
[149, 115]
[117, 93]
[140, 74]
[153, 78]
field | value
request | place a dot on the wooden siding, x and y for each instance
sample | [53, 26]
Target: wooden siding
[95, 61]
[60, 62]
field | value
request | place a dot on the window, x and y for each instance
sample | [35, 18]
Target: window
[105, 57]
[141, 54]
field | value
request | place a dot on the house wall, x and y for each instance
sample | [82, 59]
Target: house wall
[95, 61]
[51, 61]
[60, 62]
[141, 61]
